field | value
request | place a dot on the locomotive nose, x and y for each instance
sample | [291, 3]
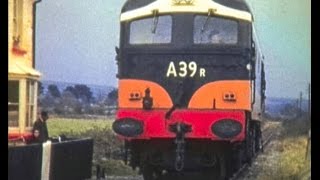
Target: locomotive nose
[128, 127]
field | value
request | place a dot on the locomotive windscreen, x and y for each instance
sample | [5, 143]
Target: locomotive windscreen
[155, 30]
[213, 30]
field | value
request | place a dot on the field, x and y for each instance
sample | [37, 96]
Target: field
[58, 126]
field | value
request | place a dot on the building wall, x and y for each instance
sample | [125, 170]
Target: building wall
[26, 41]
[10, 33]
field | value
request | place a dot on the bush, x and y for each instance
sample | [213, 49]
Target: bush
[296, 127]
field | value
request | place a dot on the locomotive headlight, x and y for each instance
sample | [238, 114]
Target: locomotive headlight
[248, 67]
[226, 128]
[128, 127]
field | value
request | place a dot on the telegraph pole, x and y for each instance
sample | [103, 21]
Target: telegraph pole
[309, 101]
[300, 103]
[308, 151]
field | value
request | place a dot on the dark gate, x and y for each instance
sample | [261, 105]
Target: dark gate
[24, 162]
[71, 160]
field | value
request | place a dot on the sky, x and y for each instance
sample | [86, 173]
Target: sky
[76, 39]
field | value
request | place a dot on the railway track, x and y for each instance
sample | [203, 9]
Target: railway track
[267, 135]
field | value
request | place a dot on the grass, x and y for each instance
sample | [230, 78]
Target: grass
[118, 168]
[294, 140]
[58, 126]
[292, 160]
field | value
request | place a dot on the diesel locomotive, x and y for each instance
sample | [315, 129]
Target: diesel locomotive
[191, 87]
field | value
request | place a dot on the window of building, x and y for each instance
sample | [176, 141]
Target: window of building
[214, 30]
[17, 21]
[30, 103]
[13, 103]
[155, 30]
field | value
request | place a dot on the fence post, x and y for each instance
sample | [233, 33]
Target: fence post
[308, 146]
[46, 156]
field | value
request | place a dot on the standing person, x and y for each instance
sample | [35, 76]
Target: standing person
[40, 130]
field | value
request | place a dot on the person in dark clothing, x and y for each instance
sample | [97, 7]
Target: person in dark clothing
[40, 130]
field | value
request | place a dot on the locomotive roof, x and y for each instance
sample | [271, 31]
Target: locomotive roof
[236, 4]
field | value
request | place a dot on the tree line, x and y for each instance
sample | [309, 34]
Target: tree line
[76, 99]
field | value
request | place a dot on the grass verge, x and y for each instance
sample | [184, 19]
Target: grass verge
[295, 161]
